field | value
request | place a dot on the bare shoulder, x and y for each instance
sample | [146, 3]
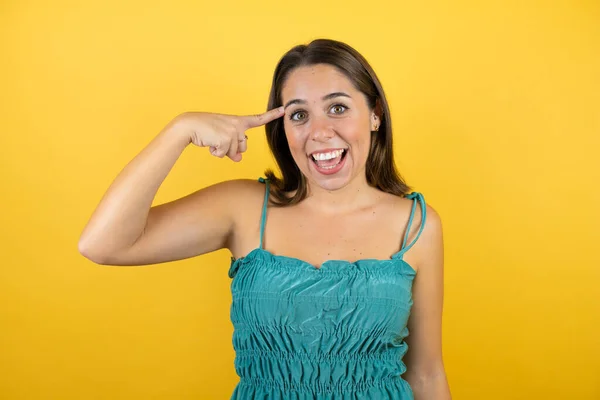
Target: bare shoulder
[238, 195]
[429, 232]
[432, 217]
[433, 221]
[235, 189]
[239, 186]
[430, 247]
[244, 200]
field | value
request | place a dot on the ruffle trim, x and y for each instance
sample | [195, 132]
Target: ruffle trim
[369, 267]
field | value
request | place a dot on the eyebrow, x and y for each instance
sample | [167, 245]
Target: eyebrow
[326, 97]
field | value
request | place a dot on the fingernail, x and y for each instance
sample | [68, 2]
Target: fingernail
[281, 109]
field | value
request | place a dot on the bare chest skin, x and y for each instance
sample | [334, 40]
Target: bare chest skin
[371, 232]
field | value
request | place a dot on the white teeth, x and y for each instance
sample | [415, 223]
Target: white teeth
[327, 156]
[330, 167]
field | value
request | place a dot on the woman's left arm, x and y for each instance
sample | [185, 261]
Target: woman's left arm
[425, 367]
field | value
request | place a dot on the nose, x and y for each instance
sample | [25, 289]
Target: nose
[321, 130]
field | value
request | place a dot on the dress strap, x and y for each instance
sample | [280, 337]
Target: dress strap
[416, 197]
[263, 218]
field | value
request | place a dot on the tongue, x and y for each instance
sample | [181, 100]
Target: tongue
[329, 163]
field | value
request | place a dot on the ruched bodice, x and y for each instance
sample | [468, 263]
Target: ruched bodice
[334, 332]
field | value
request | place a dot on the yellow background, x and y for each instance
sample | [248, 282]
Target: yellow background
[496, 107]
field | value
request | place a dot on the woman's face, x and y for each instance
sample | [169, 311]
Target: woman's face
[328, 125]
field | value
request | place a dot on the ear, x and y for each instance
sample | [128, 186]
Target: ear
[376, 116]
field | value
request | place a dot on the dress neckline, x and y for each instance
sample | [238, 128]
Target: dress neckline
[396, 257]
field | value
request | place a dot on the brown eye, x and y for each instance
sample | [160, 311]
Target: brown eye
[298, 116]
[339, 108]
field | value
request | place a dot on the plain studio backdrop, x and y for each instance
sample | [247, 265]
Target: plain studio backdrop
[496, 114]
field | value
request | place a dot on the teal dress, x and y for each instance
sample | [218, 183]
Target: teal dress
[334, 332]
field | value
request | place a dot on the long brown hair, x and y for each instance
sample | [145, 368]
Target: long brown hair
[380, 167]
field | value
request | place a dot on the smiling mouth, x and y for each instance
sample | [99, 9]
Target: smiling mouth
[330, 159]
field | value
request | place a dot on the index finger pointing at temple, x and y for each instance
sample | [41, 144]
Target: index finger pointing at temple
[253, 121]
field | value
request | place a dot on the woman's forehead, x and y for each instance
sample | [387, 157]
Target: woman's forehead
[315, 81]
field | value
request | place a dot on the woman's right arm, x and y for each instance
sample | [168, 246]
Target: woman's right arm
[126, 230]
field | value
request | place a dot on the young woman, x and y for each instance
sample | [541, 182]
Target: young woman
[334, 262]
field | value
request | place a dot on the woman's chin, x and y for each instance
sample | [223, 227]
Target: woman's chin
[327, 180]
[333, 184]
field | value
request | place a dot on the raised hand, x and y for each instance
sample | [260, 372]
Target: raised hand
[224, 134]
